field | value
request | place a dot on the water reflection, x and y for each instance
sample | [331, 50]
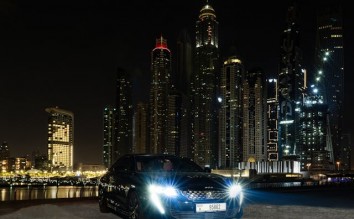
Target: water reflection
[47, 192]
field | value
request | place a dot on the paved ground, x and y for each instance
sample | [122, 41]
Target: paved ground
[89, 209]
[331, 202]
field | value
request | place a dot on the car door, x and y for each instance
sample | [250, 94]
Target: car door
[121, 180]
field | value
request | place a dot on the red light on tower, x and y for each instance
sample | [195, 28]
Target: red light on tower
[161, 43]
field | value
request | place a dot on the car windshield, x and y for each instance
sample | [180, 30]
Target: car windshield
[165, 163]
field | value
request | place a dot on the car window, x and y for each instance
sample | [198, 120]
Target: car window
[166, 164]
[123, 165]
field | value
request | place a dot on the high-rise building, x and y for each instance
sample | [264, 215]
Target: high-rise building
[230, 114]
[140, 128]
[330, 70]
[254, 117]
[272, 119]
[184, 62]
[204, 84]
[60, 138]
[183, 82]
[109, 117]
[313, 147]
[124, 115]
[346, 153]
[174, 113]
[159, 90]
[4, 151]
[291, 85]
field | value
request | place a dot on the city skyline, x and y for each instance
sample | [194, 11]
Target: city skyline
[78, 51]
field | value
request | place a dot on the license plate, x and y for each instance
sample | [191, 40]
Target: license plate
[211, 207]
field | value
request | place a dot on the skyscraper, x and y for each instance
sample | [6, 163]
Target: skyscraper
[254, 117]
[140, 128]
[60, 138]
[291, 85]
[313, 147]
[272, 119]
[330, 70]
[174, 113]
[109, 116]
[183, 86]
[230, 114]
[124, 115]
[159, 90]
[205, 80]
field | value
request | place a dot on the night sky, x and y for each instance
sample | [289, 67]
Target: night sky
[65, 54]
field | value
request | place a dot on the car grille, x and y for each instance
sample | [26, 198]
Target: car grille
[203, 195]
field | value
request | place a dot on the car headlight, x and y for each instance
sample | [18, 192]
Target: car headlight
[156, 191]
[168, 191]
[235, 190]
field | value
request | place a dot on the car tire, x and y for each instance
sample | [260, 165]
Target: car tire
[102, 202]
[135, 211]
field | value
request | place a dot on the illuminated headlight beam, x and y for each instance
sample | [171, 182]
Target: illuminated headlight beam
[168, 191]
[156, 191]
[235, 190]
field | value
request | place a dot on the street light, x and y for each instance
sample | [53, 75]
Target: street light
[338, 165]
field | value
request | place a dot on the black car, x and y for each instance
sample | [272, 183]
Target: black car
[167, 186]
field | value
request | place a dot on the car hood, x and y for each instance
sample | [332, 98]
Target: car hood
[188, 180]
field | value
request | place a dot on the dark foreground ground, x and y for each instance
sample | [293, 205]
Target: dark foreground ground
[323, 202]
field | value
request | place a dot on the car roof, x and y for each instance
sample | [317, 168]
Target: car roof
[154, 155]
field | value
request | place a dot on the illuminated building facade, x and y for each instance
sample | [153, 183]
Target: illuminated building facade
[230, 114]
[272, 119]
[254, 117]
[124, 115]
[313, 145]
[291, 85]
[330, 71]
[109, 116]
[204, 102]
[60, 138]
[174, 112]
[184, 71]
[140, 128]
[159, 90]
[4, 151]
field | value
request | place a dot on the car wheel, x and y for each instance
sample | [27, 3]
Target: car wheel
[102, 202]
[134, 206]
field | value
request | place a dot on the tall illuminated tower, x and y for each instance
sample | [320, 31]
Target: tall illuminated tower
[330, 71]
[204, 89]
[230, 115]
[60, 138]
[314, 152]
[109, 117]
[159, 90]
[254, 117]
[291, 84]
[272, 119]
[124, 115]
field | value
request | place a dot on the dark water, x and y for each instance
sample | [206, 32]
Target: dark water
[46, 192]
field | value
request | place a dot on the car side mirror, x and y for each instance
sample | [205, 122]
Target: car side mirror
[207, 169]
